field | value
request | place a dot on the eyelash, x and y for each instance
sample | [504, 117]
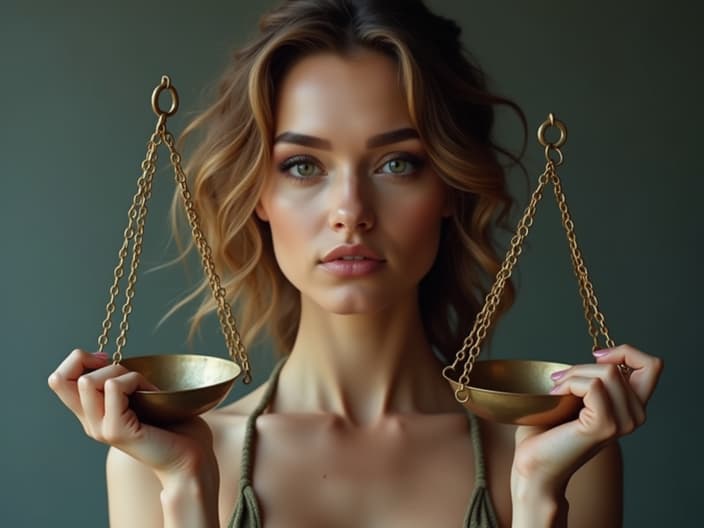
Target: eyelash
[415, 162]
[293, 161]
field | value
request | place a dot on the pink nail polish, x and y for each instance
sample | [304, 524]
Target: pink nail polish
[554, 389]
[101, 355]
[602, 352]
[557, 375]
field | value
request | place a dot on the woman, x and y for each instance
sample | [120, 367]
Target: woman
[350, 190]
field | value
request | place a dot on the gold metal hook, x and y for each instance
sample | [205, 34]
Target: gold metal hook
[165, 84]
[462, 394]
[549, 122]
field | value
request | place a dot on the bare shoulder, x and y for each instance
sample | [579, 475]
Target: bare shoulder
[133, 492]
[228, 425]
[241, 408]
[595, 492]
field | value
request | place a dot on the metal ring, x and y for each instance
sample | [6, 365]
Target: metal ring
[551, 121]
[462, 390]
[560, 158]
[165, 84]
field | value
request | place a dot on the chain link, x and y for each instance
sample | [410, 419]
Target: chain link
[224, 311]
[135, 232]
[586, 290]
[471, 347]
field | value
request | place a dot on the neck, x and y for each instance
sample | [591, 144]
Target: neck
[363, 367]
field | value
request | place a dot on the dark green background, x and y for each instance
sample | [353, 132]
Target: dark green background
[75, 81]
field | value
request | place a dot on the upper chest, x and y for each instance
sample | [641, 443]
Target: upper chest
[313, 471]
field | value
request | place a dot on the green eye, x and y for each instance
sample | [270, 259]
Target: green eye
[300, 168]
[305, 170]
[402, 165]
[397, 166]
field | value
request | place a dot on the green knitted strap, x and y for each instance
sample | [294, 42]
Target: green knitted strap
[246, 514]
[479, 468]
[480, 512]
[247, 446]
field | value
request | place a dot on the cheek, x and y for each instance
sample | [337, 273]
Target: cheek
[416, 234]
[293, 224]
[425, 238]
[416, 223]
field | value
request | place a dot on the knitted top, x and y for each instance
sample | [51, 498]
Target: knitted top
[479, 514]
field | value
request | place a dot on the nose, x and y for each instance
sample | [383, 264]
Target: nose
[351, 209]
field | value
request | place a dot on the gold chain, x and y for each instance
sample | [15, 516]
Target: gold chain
[135, 232]
[227, 320]
[586, 290]
[472, 343]
[136, 212]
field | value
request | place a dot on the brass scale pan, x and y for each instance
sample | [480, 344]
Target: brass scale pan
[507, 391]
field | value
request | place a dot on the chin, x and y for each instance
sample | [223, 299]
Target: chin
[350, 307]
[353, 303]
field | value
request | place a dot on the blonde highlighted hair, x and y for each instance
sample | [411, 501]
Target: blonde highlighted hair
[449, 105]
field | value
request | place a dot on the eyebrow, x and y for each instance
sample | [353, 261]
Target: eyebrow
[303, 139]
[394, 136]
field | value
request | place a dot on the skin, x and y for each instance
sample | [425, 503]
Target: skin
[363, 430]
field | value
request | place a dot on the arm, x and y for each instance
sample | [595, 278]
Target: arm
[173, 469]
[137, 497]
[595, 492]
[548, 488]
[593, 497]
[133, 492]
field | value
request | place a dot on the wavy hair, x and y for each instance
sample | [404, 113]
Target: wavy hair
[450, 106]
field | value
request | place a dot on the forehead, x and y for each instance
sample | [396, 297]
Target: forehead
[327, 93]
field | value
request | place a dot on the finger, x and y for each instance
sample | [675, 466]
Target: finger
[121, 424]
[91, 392]
[159, 447]
[523, 432]
[597, 416]
[646, 368]
[627, 407]
[63, 380]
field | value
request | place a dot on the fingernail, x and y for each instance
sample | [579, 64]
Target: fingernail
[555, 389]
[101, 355]
[558, 374]
[602, 352]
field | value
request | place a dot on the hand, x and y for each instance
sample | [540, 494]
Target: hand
[614, 405]
[97, 392]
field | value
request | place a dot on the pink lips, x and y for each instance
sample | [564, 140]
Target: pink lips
[351, 261]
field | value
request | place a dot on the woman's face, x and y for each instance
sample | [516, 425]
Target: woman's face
[354, 207]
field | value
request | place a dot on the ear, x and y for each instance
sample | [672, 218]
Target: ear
[261, 212]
